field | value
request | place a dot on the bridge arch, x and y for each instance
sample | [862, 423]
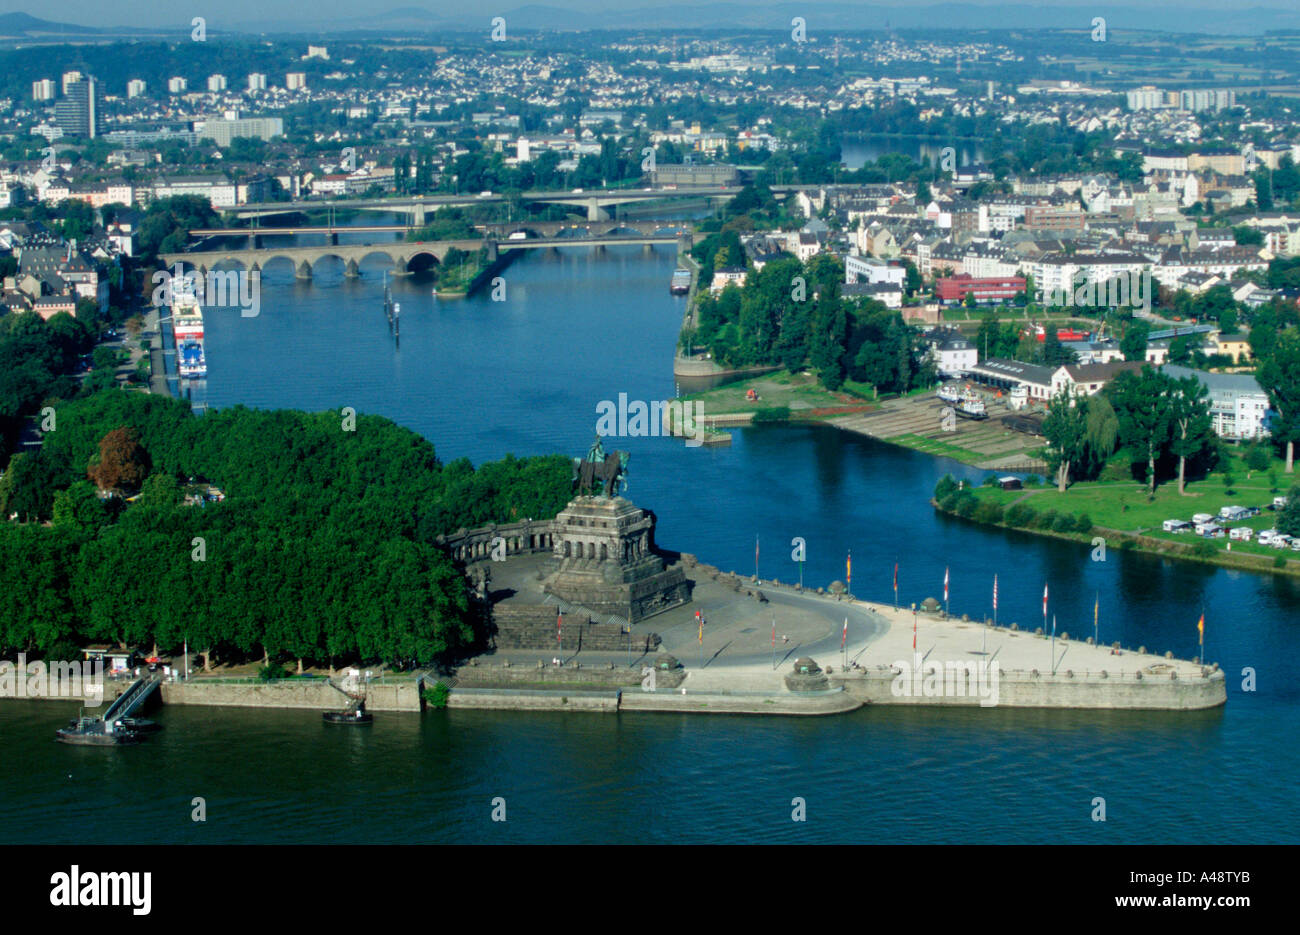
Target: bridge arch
[422, 261]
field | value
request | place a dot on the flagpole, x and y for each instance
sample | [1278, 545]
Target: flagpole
[1053, 650]
[755, 556]
[774, 644]
[1096, 608]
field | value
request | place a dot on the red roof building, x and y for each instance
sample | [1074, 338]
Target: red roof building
[992, 289]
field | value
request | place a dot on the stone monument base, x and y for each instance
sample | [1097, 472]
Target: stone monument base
[607, 561]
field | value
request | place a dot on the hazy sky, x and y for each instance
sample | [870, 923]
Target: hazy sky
[230, 12]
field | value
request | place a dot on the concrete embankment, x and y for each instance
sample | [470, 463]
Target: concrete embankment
[1156, 690]
[289, 693]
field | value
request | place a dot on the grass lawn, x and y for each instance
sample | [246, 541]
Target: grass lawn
[1123, 505]
[943, 449]
[780, 388]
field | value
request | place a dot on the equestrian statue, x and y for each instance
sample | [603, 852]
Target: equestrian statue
[597, 468]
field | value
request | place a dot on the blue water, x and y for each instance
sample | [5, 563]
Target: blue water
[483, 378]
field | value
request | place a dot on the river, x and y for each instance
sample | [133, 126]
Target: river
[483, 378]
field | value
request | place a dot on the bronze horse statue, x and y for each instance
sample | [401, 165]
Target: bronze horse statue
[611, 474]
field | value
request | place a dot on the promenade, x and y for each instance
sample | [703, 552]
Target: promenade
[736, 666]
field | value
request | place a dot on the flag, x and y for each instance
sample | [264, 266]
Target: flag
[945, 584]
[700, 617]
[1044, 603]
[559, 626]
[755, 551]
[844, 637]
[848, 568]
[774, 633]
[1053, 626]
[1096, 608]
[995, 592]
[1200, 627]
[895, 578]
[913, 628]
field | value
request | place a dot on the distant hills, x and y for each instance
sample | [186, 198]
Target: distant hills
[23, 24]
[823, 19]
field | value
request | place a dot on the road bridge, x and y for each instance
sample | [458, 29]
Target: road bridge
[415, 206]
[532, 228]
[405, 256]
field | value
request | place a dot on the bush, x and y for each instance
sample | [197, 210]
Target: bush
[1083, 523]
[1046, 520]
[1116, 469]
[1205, 549]
[945, 486]
[988, 511]
[1033, 480]
[272, 672]
[966, 504]
[990, 481]
[1021, 515]
[435, 697]
[1258, 457]
[1279, 561]
[949, 503]
[1064, 522]
[772, 414]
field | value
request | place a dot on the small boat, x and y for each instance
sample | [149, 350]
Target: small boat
[94, 732]
[971, 406]
[139, 725]
[357, 716]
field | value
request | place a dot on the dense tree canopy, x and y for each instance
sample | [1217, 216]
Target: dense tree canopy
[325, 546]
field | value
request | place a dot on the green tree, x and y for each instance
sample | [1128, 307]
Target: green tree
[1134, 342]
[1142, 409]
[1279, 374]
[1066, 431]
[1190, 423]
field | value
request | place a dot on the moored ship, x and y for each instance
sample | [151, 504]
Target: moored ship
[681, 283]
[187, 325]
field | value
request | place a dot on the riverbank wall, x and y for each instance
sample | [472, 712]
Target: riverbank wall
[288, 693]
[1132, 690]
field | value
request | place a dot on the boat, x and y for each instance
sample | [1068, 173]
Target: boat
[139, 725]
[354, 688]
[681, 282]
[187, 325]
[95, 732]
[970, 406]
[352, 716]
[950, 394]
[190, 360]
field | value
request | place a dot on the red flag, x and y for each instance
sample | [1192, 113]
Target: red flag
[895, 576]
[913, 628]
[774, 634]
[945, 584]
[1044, 602]
[845, 635]
[995, 592]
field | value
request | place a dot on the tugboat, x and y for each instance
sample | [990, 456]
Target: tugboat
[95, 732]
[355, 689]
[970, 406]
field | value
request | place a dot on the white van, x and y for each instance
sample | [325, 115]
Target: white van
[1241, 533]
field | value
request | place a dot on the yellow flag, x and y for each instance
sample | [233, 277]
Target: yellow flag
[1200, 627]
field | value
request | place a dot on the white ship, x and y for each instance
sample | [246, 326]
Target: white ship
[187, 325]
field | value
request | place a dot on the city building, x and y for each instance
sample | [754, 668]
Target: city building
[79, 113]
[176, 85]
[222, 131]
[689, 175]
[954, 289]
[216, 83]
[1238, 406]
[257, 82]
[295, 80]
[69, 79]
[43, 90]
[135, 88]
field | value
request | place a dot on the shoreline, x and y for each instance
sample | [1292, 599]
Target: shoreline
[1118, 539]
[1097, 678]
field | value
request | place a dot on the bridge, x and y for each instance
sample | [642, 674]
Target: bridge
[415, 206]
[405, 257]
[131, 699]
[330, 232]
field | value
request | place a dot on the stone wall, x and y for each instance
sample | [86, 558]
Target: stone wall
[290, 693]
[533, 627]
[621, 676]
[1020, 689]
